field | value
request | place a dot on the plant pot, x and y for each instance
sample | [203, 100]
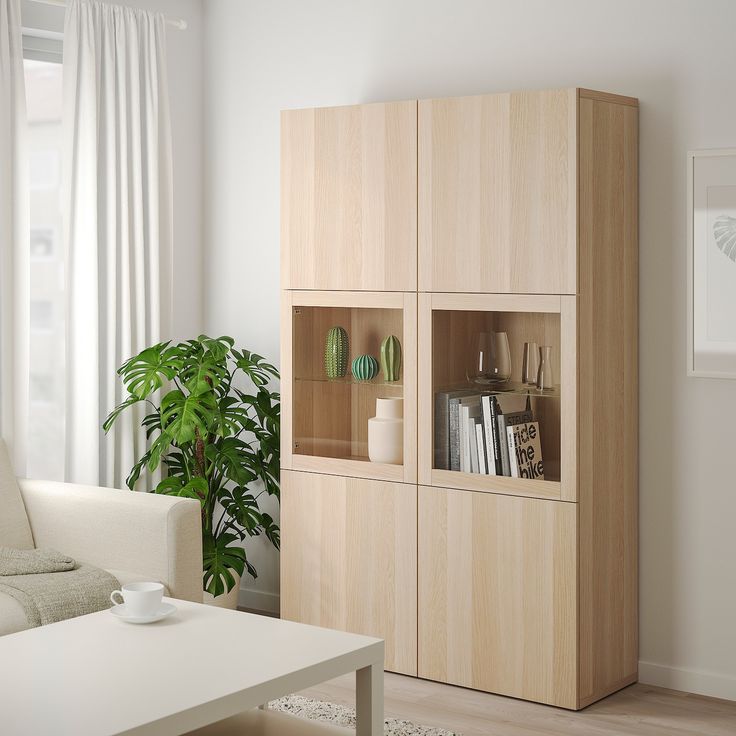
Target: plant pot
[226, 600]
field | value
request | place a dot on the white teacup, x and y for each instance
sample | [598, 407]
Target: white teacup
[141, 599]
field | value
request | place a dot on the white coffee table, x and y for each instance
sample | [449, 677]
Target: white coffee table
[95, 675]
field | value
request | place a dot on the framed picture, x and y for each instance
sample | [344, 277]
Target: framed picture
[711, 273]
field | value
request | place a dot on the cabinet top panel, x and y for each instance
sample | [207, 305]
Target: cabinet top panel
[583, 92]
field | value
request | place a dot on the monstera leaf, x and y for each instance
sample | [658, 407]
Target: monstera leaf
[220, 557]
[146, 372]
[724, 230]
[183, 414]
[174, 485]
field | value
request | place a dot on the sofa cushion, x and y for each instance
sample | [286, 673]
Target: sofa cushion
[15, 531]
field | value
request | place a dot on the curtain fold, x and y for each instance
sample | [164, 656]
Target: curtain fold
[14, 238]
[118, 224]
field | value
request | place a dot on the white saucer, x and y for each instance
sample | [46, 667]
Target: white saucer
[166, 610]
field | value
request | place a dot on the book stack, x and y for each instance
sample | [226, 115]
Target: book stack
[473, 434]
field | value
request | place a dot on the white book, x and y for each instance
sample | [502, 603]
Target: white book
[469, 408]
[513, 465]
[481, 444]
[464, 445]
[474, 466]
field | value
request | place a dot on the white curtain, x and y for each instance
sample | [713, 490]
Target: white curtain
[14, 238]
[119, 224]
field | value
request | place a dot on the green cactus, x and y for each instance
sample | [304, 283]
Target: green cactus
[365, 367]
[337, 348]
[391, 358]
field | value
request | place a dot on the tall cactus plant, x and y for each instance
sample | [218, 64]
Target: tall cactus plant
[391, 358]
[337, 348]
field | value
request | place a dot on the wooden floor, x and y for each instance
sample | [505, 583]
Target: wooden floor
[639, 710]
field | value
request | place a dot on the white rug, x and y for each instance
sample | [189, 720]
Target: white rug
[339, 715]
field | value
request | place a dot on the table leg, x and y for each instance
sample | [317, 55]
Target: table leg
[369, 701]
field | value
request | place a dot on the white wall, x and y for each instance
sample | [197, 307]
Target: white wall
[679, 58]
[185, 86]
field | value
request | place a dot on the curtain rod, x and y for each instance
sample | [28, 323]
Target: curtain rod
[177, 23]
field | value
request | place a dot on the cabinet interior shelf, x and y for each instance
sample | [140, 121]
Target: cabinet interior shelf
[510, 388]
[349, 381]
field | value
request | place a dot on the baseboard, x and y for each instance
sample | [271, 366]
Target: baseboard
[258, 600]
[711, 684]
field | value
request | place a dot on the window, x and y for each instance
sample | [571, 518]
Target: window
[47, 305]
[42, 242]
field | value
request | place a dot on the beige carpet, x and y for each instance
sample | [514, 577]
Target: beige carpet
[339, 715]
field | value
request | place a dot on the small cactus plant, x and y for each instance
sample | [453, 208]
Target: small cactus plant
[365, 367]
[391, 358]
[337, 348]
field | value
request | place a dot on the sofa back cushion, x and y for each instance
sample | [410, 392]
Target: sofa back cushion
[15, 531]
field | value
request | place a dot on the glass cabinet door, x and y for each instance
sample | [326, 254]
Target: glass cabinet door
[497, 393]
[349, 370]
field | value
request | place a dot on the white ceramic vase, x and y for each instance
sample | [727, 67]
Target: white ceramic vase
[226, 600]
[386, 432]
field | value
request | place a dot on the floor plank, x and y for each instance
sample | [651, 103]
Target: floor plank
[638, 710]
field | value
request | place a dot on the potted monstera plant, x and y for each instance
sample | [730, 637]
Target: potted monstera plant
[215, 429]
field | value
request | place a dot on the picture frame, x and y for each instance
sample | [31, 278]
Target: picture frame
[711, 263]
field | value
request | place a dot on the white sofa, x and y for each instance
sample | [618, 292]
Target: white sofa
[135, 536]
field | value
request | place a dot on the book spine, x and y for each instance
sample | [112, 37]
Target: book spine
[496, 439]
[485, 404]
[454, 412]
[473, 446]
[502, 436]
[480, 441]
[513, 465]
[441, 432]
[464, 444]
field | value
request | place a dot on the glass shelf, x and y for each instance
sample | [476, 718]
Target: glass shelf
[350, 381]
[511, 388]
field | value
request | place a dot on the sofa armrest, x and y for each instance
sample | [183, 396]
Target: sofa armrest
[156, 537]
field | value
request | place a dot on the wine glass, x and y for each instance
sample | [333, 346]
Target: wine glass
[491, 358]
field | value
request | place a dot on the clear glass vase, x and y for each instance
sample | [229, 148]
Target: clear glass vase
[530, 364]
[545, 374]
[491, 358]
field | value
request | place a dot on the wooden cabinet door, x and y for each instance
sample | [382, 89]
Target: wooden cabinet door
[349, 559]
[348, 197]
[498, 193]
[497, 594]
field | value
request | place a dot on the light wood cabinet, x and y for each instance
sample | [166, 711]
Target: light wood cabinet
[497, 594]
[348, 197]
[349, 559]
[443, 222]
[498, 193]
